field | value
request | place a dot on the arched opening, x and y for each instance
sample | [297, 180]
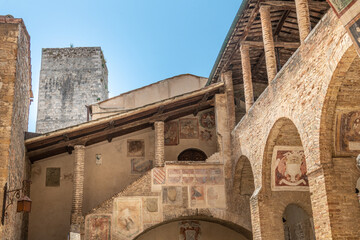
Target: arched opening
[243, 188]
[195, 229]
[297, 224]
[192, 154]
[339, 146]
[284, 179]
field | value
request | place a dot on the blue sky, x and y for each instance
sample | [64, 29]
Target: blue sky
[143, 41]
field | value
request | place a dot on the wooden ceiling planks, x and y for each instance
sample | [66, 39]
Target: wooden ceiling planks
[248, 28]
[92, 132]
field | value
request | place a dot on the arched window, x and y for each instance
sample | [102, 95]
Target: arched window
[192, 154]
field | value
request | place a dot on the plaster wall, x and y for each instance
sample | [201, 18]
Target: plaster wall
[51, 206]
[208, 146]
[155, 92]
[101, 181]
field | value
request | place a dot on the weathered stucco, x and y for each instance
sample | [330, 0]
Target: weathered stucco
[152, 93]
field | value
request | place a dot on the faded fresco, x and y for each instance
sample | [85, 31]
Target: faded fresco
[127, 217]
[189, 128]
[289, 169]
[158, 176]
[197, 196]
[52, 177]
[140, 165]
[151, 210]
[207, 120]
[136, 148]
[349, 130]
[172, 195]
[189, 230]
[205, 135]
[198, 176]
[216, 196]
[171, 133]
[354, 29]
[340, 5]
[98, 227]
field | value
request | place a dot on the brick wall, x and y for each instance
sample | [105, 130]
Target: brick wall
[303, 92]
[15, 88]
[70, 78]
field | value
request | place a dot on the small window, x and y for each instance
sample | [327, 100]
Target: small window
[192, 154]
[52, 177]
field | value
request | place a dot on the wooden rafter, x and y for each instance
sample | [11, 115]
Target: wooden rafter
[285, 5]
[246, 31]
[260, 44]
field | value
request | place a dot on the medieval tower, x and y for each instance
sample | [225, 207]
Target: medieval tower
[70, 79]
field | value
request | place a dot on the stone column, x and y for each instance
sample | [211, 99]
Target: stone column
[247, 79]
[229, 90]
[303, 18]
[268, 39]
[159, 144]
[78, 190]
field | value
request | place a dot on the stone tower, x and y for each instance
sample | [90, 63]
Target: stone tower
[15, 94]
[70, 79]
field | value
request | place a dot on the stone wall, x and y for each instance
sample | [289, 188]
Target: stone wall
[15, 92]
[70, 79]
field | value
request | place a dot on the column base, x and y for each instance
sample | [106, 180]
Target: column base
[74, 236]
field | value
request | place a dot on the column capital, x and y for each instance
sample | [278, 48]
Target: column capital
[264, 7]
[227, 74]
[244, 47]
[79, 146]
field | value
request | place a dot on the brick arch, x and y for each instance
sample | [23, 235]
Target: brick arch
[337, 170]
[228, 224]
[271, 204]
[241, 190]
[329, 106]
[243, 182]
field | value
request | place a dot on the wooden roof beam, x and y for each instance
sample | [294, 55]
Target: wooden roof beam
[291, 5]
[108, 133]
[276, 44]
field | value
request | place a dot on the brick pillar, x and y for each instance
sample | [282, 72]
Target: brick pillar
[229, 90]
[247, 79]
[268, 39]
[319, 204]
[159, 144]
[255, 216]
[78, 189]
[303, 18]
[223, 132]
